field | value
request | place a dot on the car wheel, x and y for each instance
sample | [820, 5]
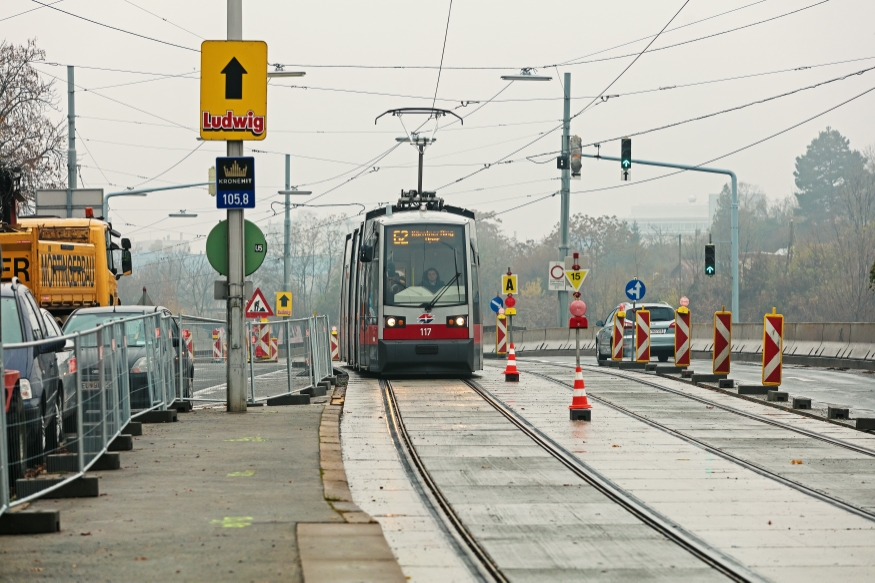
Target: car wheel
[16, 435]
[663, 358]
[54, 427]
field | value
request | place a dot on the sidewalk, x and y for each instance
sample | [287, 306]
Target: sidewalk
[213, 497]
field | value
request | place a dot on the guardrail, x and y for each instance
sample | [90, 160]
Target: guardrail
[836, 343]
[71, 396]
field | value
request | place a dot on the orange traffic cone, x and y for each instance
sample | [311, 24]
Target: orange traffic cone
[511, 374]
[580, 407]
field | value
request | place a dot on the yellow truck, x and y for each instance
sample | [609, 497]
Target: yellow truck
[67, 263]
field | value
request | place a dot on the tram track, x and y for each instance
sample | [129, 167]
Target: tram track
[672, 531]
[765, 472]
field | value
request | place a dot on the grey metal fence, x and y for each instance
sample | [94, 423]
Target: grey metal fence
[284, 356]
[71, 396]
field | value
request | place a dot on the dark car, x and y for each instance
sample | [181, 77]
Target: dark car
[66, 372]
[39, 385]
[140, 343]
[661, 330]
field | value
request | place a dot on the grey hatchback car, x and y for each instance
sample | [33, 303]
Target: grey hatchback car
[661, 331]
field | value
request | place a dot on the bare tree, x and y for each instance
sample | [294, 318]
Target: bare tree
[29, 140]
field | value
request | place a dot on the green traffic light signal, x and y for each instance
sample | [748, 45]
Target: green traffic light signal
[626, 153]
[710, 260]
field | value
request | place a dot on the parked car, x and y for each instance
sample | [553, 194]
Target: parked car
[39, 385]
[16, 432]
[661, 331]
[139, 340]
[66, 373]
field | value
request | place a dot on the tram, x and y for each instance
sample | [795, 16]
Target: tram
[410, 293]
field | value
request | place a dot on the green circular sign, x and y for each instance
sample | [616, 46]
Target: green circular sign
[254, 247]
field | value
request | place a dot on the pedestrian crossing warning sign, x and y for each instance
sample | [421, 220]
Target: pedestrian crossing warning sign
[258, 306]
[509, 284]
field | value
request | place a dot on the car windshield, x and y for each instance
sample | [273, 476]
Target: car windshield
[11, 323]
[657, 314]
[135, 332]
[425, 264]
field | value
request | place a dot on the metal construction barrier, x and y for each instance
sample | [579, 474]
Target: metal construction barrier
[71, 396]
[284, 357]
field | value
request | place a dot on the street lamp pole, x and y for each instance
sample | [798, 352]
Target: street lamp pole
[144, 192]
[565, 191]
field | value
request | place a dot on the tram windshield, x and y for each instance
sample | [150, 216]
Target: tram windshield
[425, 266]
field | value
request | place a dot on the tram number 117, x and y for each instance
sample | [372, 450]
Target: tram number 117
[425, 331]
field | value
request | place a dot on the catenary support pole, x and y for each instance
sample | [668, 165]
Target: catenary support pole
[287, 227]
[565, 192]
[71, 140]
[733, 212]
[237, 338]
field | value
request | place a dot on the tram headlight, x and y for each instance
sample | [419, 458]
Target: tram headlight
[394, 322]
[457, 321]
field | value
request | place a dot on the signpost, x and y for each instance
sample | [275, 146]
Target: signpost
[233, 107]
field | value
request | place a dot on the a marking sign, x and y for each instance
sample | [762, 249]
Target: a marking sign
[635, 290]
[496, 304]
[509, 284]
[556, 276]
[258, 306]
[576, 276]
[233, 90]
[284, 303]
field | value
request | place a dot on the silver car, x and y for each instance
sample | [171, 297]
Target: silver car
[661, 331]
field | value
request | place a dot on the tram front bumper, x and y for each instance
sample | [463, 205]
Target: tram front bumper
[435, 357]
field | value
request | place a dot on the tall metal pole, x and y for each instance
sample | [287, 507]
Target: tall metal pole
[287, 228]
[421, 154]
[71, 140]
[236, 372]
[565, 192]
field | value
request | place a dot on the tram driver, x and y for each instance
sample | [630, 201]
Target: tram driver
[432, 280]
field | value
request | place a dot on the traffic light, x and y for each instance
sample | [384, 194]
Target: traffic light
[710, 260]
[626, 154]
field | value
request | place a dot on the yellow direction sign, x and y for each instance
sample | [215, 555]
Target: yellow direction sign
[576, 277]
[284, 303]
[509, 284]
[233, 90]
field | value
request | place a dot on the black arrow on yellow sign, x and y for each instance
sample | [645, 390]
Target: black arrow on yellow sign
[284, 301]
[233, 73]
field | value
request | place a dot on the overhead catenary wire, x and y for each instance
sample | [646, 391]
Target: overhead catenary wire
[733, 152]
[122, 30]
[545, 134]
[165, 20]
[443, 51]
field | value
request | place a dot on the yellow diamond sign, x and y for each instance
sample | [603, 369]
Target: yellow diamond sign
[233, 90]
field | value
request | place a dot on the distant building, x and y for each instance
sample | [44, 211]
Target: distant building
[655, 220]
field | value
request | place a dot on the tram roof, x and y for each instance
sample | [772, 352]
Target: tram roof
[446, 212]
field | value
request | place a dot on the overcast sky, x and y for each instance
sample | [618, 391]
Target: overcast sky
[141, 120]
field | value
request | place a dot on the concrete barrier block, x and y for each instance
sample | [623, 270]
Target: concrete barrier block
[650, 366]
[687, 373]
[801, 403]
[707, 378]
[121, 443]
[168, 416]
[631, 365]
[866, 424]
[753, 390]
[59, 463]
[107, 462]
[82, 487]
[726, 384]
[289, 400]
[668, 369]
[777, 396]
[837, 412]
[134, 428]
[30, 522]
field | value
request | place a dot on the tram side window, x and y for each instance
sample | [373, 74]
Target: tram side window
[425, 262]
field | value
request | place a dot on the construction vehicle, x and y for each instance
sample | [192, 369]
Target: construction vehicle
[67, 263]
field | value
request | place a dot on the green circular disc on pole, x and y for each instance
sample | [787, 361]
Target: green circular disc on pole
[255, 247]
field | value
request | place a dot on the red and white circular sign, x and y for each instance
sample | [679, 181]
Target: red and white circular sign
[685, 301]
[557, 272]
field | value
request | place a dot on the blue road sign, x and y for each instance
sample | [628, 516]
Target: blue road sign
[496, 304]
[635, 290]
[235, 183]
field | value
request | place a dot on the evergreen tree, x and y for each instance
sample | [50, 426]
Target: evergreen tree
[827, 163]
